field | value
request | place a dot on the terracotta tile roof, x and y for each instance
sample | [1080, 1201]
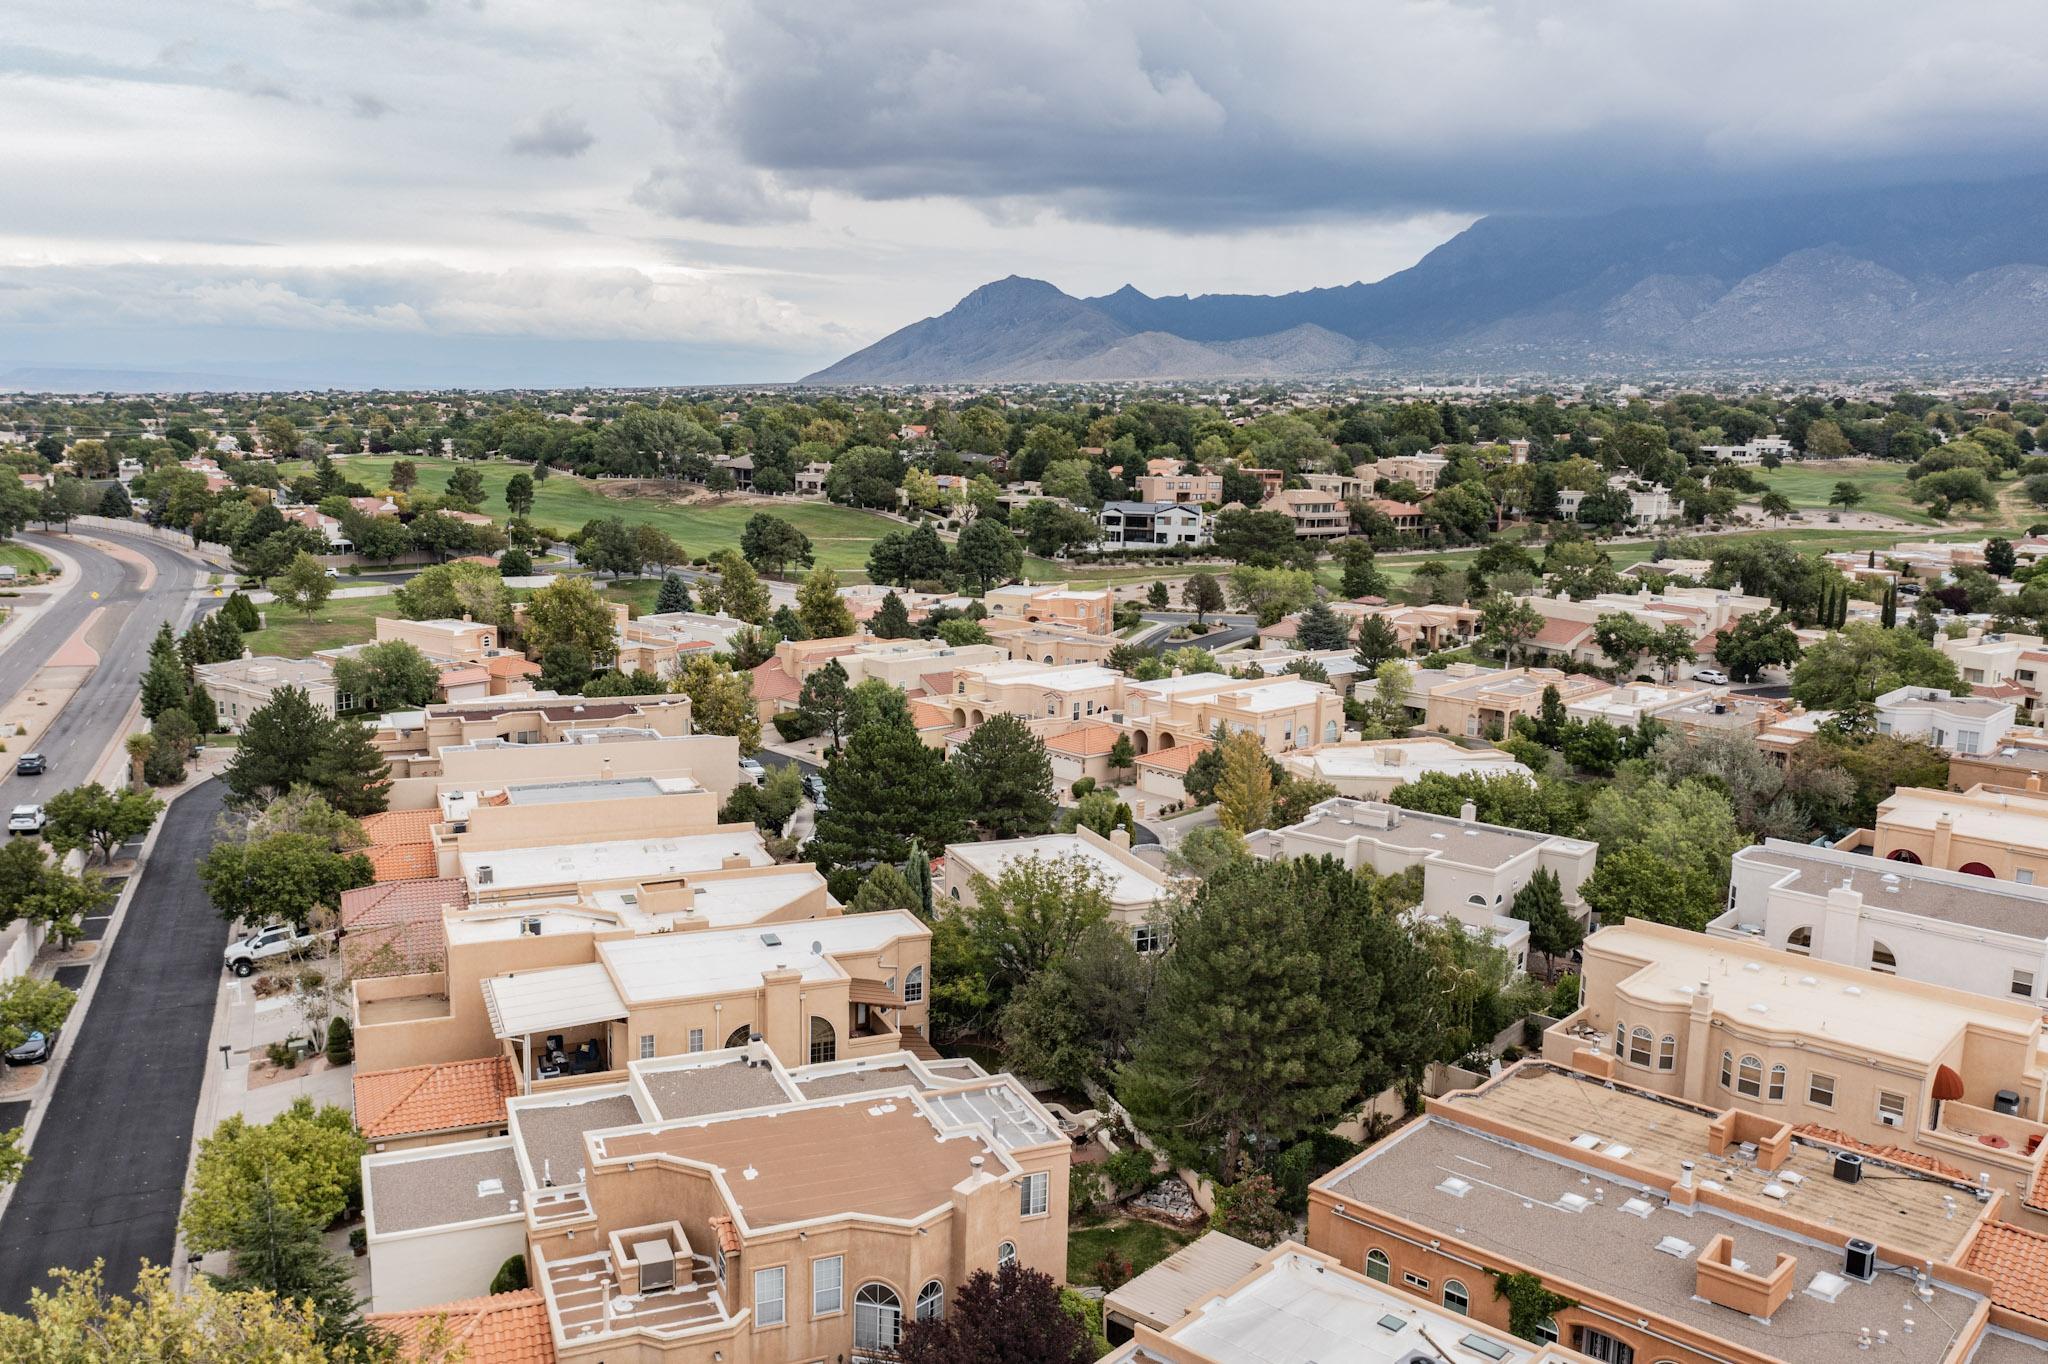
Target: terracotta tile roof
[1897, 1155]
[1085, 742]
[1178, 759]
[505, 1328]
[401, 844]
[1999, 691]
[1705, 646]
[771, 683]
[728, 1235]
[438, 1098]
[1281, 629]
[937, 683]
[405, 914]
[1563, 632]
[927, 715]
[512, 665]
[462, 677]
[2016, 1262]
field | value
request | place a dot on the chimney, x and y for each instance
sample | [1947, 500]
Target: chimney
[1120, 836]
[1468, 813]
[604, 769]
[2034, 781]
[1755, 1295]
[465, 618]
[1944, 834]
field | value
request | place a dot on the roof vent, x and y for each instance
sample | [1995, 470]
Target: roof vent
[1618, 1151]
[1677, 1247]
[771, 940]
[1852, 989]
[1826, 1286]
[1574, 1202]
[1586, 1141]
[1759, 1008]
[490, 1188]
[1392, 1324]
[1454, 1186]
[1637, 1207]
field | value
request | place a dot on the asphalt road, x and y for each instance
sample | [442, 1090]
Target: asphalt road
[91, 719]
[107, 1169]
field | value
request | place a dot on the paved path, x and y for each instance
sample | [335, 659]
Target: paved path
[107, 1167]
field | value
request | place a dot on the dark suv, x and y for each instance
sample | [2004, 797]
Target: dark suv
[30, 765]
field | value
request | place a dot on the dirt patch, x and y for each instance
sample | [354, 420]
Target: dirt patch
[262, 1073]
[20, 1079]
[81, 950]
[676, 494]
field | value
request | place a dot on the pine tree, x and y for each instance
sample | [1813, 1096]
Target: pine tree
[1890, 615]
[1005, 778]
[674, 594]
[1553, 929]
[279, 745]
[1376, 642]
[884, 888]
[917, 870]
[892, 620]
[199, 705]
[163, 685]
[349, 771]
[1156, 596]
[818, 602]
[1319, 628]
[889, 796]
[277, 1249]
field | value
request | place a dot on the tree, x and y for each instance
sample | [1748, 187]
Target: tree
[1362, 577]
[1759, 640]
[823, 698]
[519, 494]
[164, 685]
[1775, 504]
[277, 1250]
[405, 475]
[1201, 594]
[1074, 1021]
[770, 543]
[287, 877]
[279, 745]
[348, 771]
[79, 1322]
[884, 888]
[606, 545]
[1845, 495]
[769, 804]
[1999, 556]
[569, 612]
[987, 555]
[1508, 624]
[1553, 929]
[1032, 914]
[29, 1005]
[1122, 756]
[907, 557]
[739, 592]
[451, 591]
[515, 563]
[114, 503]
[721, 701]
[1262, 539]
[892, 619]
[1052, 528]
[818, 604]
[1244, 788]
[1270, 593]
[1015, 1316]
[889, 795]
[1318, 628]
[303, 585]
[1156, 596]
[466, 487]
[673, 596]
[392, 675]
[961, 632]
[1250, 1211]
[1862, 661]
[94, 818]
[307, 1160]
[1623, 638]
[1664, 851]
[1376, 642]
[1547, 806]
[240, 612]
[1005, 778]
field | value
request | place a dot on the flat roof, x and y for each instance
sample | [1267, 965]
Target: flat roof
[727, 901]
[1127, 886]
[441, 1186]
[661, 966]
[1770, 991]
[1385, 757]
[549, 1129]
[613, 788]
[1169, 1290]
[882, 1158]
[1901, 887]
[513, 867]
[1514, 1205]
[1998, 813]
[528, 1002]
[1474, 843]
[725, 1086]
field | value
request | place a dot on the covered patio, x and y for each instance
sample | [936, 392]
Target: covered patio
[558, 1020]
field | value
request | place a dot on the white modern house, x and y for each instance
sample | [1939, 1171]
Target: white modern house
[1152, 524]
[1954, 724]
[1923, 923]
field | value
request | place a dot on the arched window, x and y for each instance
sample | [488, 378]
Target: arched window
[1882, 961]
[931, 1301]
[1479, 900]
[1546, 1331]
[1378, 1267]
[1777, 1090]
[1330, 731]
[877, 1318]
[1727, 1069]
[913, 985]
[1977, 869]
[1905, 855]
[1052, 705]
[1455, 1298]
[740, 1035]
[824, 1041]
[1800, 940]
[1749, 1077]
[1301, 737]
[1006, 1254]
[1639, 1043]
[1667, 1053]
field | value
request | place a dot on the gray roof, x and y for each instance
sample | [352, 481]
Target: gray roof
[1930, 892]
[552, 1135]
[1163, 1294]
[439, 1190]
[697, 1090]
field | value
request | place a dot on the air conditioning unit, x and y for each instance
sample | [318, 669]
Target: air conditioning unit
[657, 1263]
[1890, 1119]
[530, 927]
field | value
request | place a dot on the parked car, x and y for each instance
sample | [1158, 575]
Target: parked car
[26, 819]
[753, 770]
[1711, 675]
[36, 1051]
[30, 765]
[334, 573]
[266, 944]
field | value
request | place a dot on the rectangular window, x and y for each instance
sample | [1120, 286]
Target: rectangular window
[1891, 1108]
[1966, 741]
[768, 1302]
[1416, 1282]
[696, 1039]
[2024, 876]
[1147, 938]
[2023, 984]
[1601, 1346]
[646, 1046]
[1031, 1194]
[1820, 1090]
[828, 1285]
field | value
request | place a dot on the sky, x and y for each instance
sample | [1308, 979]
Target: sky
[492, 193]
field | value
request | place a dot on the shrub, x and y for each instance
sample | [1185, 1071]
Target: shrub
[1082, 787]
[279, 1054]
[511, 1276]
[1564, 996]
[1112, 1271]
[1085, 1189]
[341, 1041]
[1129, 1171]
[796, 724]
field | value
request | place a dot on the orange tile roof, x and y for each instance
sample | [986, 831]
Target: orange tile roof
[512, 665]
[927, 715]
[1562, 632]
[405, 914]
[1896, 1155]
[771, 683]
[1088, 741]
[401, 844]
[1179, 758]
[437, 1098]
[462, 677]
[505, 1328]
[938, 683]
[2016, 1262]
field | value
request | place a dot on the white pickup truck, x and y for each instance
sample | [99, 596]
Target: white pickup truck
[277, 941]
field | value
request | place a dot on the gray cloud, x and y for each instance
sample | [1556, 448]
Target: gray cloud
[364, 105]
[1148, 112]
[730, 195]
[556, 133]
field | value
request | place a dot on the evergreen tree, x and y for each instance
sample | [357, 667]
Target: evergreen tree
[892, 620]
[1318, 627]
[787, 624]
[1122, 756]
[917, 870]
[239, 609]
[1553, 929]
[1202, 594]
[825, 614]
[164, 686]
[884, 888]
[1376, 642]
[1156, 596]
[889, 795]
[1005, 778]
[823, 698]
[199, 705]
[280, 744]
[674, 594]
[1889, 616]
[349, 771]
[1244, 787]
[277, 1249]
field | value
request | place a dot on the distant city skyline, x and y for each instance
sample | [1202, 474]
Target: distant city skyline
[494, 193]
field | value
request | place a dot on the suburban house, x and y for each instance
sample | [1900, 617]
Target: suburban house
[1316, 515]
[1143, 524]
[242, 686]
[1163, 481]
[1954, 724]
[1053, 604]
[1138, 891]
[1420, 470]
[1370, 769]
[1478, 703]
[1991, 831]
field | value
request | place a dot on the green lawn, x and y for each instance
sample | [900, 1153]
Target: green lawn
[1883, 486]
[24, 559]
[1144, 1244]
[343, 620]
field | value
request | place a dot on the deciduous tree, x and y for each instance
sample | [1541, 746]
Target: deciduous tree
[309, 1158]
[93, 818]
[303, 585]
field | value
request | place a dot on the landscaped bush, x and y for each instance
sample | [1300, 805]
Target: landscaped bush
[511, 1276]
[341, 1041]
[1129, 1171]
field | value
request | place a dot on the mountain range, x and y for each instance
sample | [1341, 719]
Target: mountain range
[1916, 277]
